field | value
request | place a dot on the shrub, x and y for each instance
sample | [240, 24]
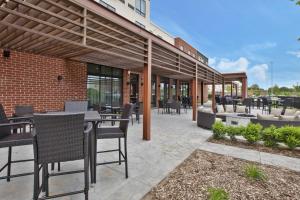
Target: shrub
[289, 135]
[254, 173]
[252, 132]
[217, 194]
[233, 131]
[270, 136]
[219, 130]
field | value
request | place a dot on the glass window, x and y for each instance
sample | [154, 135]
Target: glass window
[104, 85]
[140, 7]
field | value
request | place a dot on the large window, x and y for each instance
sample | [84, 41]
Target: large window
[140, 7]
[104, 85]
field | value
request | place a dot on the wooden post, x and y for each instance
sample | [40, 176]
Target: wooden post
[231, 89]
[213, 97]
[147, 94]
[244, 88]
[194, 96]
[126, 86]
[223, 88]
[236, 89]
[177, 89]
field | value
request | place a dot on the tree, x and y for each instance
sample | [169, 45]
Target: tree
[298, 3]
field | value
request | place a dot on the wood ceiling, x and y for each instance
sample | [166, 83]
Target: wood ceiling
[85, 31]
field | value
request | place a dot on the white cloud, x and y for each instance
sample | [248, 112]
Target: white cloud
[227, 65]
[294, 53]
[212, 61]
[259, 72]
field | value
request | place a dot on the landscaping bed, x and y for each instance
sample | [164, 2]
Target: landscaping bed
[258, 147]
[205, 175]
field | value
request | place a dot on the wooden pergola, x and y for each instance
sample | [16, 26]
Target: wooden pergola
[229, 78]
[85, 31]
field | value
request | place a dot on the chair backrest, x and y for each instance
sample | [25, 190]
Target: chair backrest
[59, 137]
[76, 106]
[4, 131]
[128, 108]
[23, 110]
[247, 102]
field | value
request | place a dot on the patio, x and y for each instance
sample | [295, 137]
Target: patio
[149, 162]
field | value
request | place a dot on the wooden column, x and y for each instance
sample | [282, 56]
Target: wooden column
[223, 89]
[244, 88]
[231, 89]
[126, 86]
[202, 93]
[147, 94]
[213, 97]
[177, 89]
[194, 96]
[157, 89]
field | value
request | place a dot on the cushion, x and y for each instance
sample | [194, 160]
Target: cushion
[229, 108]
[207, 105]
[287, 118]
[297, 113]
[290, 112]
[220, 109]
[276, 112]
[206, 110]
[241, 109]
[265, 117]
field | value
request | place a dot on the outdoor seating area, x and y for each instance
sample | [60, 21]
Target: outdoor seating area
[62, 136]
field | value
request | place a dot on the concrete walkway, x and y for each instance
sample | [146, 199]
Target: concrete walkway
[174, 138]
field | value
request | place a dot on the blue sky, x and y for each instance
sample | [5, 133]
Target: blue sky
[257, 36]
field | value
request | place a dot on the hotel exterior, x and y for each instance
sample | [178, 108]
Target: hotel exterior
[106, 52]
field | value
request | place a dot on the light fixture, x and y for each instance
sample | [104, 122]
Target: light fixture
[6, 53]
[60, 77]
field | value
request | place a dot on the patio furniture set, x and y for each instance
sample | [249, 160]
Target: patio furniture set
[237, 115]
[59, 137]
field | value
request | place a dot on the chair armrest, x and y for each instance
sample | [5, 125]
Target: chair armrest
[88, 129]
[110, 115]
[14, 124]
[20, 118]
[114, 120]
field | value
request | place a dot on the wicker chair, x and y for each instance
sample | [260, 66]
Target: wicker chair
[117, 133]
[10, 139]
[59, 138]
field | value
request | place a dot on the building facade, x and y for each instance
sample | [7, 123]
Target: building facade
[139, 12]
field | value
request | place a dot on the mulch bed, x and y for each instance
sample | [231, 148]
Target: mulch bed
[203, 170]
[259, 147]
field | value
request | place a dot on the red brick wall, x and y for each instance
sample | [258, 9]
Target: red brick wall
[186, 47]
[29, 79]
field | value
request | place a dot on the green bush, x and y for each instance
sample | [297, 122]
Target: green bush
[289, 135]
[252, 132]
[253, 172]
[270, 136]
[219, 130]
[217, 194]
[233, 131]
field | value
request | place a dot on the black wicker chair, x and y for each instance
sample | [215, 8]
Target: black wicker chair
[24, 111]
[59, 138]
[117, 133]
[10, 139]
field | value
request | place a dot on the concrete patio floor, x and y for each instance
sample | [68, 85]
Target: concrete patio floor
[174, 138]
